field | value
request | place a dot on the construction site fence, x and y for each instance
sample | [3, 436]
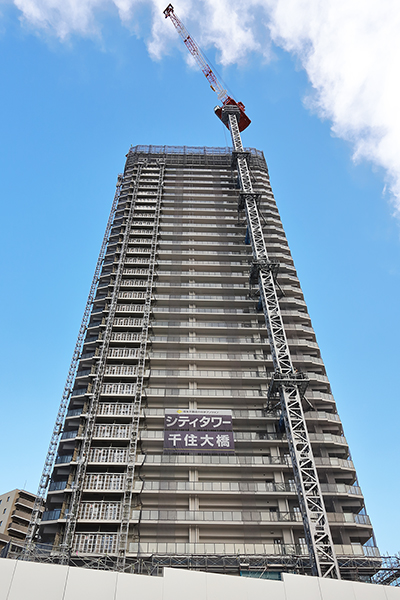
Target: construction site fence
[382, 570]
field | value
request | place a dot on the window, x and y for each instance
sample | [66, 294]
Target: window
[4, 511]
[8, 498]
[1, 523]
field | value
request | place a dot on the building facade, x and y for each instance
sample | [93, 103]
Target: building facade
[175, 327]
[15, 514]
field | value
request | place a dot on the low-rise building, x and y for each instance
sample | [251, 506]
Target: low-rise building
[15, 513]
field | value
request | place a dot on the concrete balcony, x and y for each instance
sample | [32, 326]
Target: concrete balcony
[21, 515]
[328, 437]
[17, 529]
[334, 462]
[25, 502]
[340, 489]
[352, 519]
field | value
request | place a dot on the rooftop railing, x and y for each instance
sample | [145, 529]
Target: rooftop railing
[204, 150]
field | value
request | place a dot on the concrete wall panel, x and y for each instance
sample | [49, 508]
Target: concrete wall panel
[365, 591]
[227, 587]
[7, 568]
[331, 589]
[299, 587]
[88, 584]
[180, 584]
[256, 589]
[139, 587]
[37, 581]
[392, 593]
[34, 581]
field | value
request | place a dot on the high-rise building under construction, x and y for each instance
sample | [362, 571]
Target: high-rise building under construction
[174, 442]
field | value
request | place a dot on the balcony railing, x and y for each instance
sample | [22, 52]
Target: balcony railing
[328, 437]
[100, 511]
[95, 543]
[132, 295]
[125, 337]
[212, 392]
[215, 486]
[334, 462]
[237, 461]
[115, 409]
[108, 455]
[340, 488]
[200, 373]
[58, 486]
[130, 308]
[251, 516]
[112, 431]
[218, 549]
[134, 283]
[127, 322]
[348, 518]
[123, 353]
[75, 412]
[104, 481]
[118, 389]
[63, 459]
[51, 515]
[120, 370]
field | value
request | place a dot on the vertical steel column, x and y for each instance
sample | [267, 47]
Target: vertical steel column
[285, 380]
[53, 447]
[130, 471]
[76, 495]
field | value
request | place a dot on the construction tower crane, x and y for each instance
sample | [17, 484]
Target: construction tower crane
[286, 384]
[201, 60]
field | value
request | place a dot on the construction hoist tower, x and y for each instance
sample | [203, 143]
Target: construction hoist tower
[286, 382]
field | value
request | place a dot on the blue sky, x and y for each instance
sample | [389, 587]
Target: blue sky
[71, 105]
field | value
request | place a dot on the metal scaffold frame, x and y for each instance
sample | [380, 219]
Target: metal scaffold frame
[130, 473]
[77, 487]
[286, 381]
[54, 441]
[379, 570]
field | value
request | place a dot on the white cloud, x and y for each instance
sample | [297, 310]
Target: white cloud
[349, 49]
[351, 53]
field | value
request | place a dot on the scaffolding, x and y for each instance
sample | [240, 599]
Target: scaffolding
[378, 570]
